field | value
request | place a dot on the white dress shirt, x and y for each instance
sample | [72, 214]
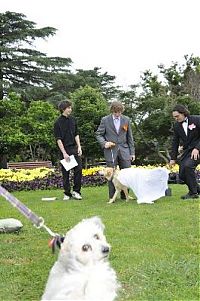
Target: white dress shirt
[116, 123]
[185, 126]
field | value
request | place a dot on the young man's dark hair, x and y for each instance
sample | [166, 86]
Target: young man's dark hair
[63, 105]
[181, 109]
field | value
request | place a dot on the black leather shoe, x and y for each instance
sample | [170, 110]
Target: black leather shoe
[190, 196]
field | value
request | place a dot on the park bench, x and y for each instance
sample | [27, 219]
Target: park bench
[29, 165]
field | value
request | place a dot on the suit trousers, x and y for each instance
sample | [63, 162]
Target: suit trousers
[122, 164]
[77, 177]
[187, 174]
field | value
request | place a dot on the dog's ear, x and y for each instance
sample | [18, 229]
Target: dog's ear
[101, 172]
[97, 221]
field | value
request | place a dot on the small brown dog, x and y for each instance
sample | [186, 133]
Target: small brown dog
[111, 174]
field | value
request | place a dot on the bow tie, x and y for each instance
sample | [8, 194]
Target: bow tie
[184, 120]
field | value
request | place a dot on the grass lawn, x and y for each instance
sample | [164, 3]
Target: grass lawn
[155, 249]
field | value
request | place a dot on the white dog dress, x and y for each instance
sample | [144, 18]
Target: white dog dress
[148, 185]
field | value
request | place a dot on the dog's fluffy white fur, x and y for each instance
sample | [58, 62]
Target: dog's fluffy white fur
[82, 271]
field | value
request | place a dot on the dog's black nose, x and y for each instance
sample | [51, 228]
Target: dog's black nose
[105, 249]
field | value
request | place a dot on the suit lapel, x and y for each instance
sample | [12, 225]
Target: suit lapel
[189, 131]
[181, 130]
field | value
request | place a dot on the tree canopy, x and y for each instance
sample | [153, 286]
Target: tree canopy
[21, 66]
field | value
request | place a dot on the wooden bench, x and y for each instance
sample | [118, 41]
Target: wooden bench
[29, 165]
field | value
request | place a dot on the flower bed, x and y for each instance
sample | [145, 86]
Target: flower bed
[46, 178]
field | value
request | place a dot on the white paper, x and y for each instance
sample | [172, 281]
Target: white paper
[69, 164]
[49, 199]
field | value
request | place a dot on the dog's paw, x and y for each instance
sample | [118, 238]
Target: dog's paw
[129, 198]
[111, 201]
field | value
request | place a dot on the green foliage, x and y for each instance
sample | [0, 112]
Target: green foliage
[89, 107]
[21, 66]
[11, 136]
[37, 125]
[155, 248]
[65, 83]
[98, 80]
[32, 74]
[150, 111]
[27, 131]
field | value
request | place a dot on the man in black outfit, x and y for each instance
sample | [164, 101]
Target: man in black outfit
[66, 134]
[186, 133]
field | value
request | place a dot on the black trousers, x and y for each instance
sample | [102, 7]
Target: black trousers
[187, 174]
[77, 177]
[122, 164]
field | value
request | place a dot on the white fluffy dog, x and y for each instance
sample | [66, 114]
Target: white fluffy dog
[82, 271]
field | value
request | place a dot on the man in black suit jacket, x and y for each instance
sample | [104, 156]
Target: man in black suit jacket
[187, 134]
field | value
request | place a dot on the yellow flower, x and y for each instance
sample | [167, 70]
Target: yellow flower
[20, 175]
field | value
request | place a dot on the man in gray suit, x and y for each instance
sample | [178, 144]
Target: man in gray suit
[115, 137]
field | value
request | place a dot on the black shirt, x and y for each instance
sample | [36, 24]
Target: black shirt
[65, 129]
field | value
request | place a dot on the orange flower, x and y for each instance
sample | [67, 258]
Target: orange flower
[125, 127]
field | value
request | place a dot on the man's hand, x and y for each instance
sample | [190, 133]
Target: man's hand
[109, 144]
[172, 162]
[132, 157]
[79, 151]
[195, 154]
[66, 157]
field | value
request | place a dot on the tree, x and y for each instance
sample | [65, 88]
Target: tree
[37, 125]
[96, 79]
[21, 66]
[183, 79]
[89, 107]
[27, 133]
[65, 83]
[11, 137]
[150, 111]
[192, 77]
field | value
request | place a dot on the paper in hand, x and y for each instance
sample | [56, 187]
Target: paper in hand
[69, 164]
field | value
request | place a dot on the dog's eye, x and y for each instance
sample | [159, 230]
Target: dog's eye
[96, 236]
[85, 248]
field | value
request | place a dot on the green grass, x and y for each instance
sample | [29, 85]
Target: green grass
[154, 247]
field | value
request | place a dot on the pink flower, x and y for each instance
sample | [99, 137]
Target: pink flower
[191, 126]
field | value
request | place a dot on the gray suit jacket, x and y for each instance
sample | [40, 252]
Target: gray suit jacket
[123, 140]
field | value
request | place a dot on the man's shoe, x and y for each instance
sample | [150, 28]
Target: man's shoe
[66, 197]
[76, 195]
[190, 196]
[168, 192]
